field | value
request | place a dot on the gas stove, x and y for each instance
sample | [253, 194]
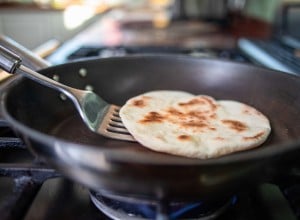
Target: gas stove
[30, 189]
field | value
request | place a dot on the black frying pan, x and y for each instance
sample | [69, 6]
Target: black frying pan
[52, 129]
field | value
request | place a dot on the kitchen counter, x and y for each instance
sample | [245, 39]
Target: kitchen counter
[119, 29]
[111, 30]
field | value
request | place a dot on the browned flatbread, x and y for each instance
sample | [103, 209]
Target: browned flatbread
[180, 123]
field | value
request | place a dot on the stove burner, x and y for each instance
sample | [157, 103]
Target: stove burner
[120, 207]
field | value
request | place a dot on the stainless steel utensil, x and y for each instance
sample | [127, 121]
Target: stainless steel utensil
[100, 116]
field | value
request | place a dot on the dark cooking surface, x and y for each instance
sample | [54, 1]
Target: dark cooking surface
[222, 80]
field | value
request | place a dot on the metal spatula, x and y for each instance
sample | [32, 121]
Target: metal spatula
[100, 116]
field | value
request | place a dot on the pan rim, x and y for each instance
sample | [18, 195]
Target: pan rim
[244, 156]
[172, 56]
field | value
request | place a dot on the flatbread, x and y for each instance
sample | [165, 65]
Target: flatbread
[183, 124]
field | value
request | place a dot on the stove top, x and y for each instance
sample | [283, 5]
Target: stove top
[102, 52]
[32, 190]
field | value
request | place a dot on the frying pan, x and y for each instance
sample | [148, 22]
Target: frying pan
[53, 131]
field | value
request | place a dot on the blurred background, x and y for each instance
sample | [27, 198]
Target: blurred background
[32, 22]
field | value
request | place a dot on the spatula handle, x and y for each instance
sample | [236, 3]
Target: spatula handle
[9, 61]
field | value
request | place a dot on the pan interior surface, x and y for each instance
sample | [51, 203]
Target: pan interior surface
[116, 80]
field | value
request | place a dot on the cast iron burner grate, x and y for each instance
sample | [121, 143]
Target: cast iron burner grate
[8, 138]
[119, 51]
[119, 207]
[21, 175]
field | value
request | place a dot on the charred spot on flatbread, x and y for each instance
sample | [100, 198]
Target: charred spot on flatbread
[152, 117]
[258, 135]
[140, 102]
[184, 137]
[235, 125]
